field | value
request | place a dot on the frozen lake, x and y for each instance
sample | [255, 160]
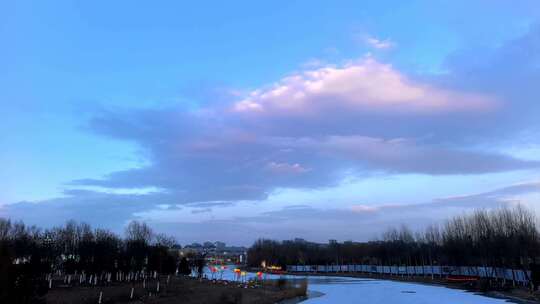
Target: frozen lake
[356, 290]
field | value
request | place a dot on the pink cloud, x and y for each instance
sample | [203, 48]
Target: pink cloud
[364, 86]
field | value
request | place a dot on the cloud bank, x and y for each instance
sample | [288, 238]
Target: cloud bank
[314, 128]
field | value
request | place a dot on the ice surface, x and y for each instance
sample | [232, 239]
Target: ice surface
[390, 292]
[355, 290]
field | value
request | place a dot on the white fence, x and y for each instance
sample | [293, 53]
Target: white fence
[440, 271]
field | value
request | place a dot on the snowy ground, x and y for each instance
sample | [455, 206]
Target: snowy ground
[344, 290]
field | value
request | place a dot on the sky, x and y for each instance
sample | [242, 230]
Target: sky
[238, 120]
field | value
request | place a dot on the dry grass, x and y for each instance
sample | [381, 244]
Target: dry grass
[182, 290]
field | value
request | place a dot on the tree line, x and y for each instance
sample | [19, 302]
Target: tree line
[507, 237]
[29, 255]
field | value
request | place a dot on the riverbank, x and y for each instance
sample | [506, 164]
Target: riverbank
[179, 290]
[518, 295]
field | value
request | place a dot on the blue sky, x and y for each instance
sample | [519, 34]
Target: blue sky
[267, 119]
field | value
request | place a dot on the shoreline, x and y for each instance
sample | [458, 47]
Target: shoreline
[516, 295]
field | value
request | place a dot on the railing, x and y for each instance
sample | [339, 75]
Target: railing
[515, 275]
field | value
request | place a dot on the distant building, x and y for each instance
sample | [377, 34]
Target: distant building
[215, 252]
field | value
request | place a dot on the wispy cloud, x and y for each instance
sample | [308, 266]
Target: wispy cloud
[358, 222]
[286, 168]
[379, 43]
[201, 210]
